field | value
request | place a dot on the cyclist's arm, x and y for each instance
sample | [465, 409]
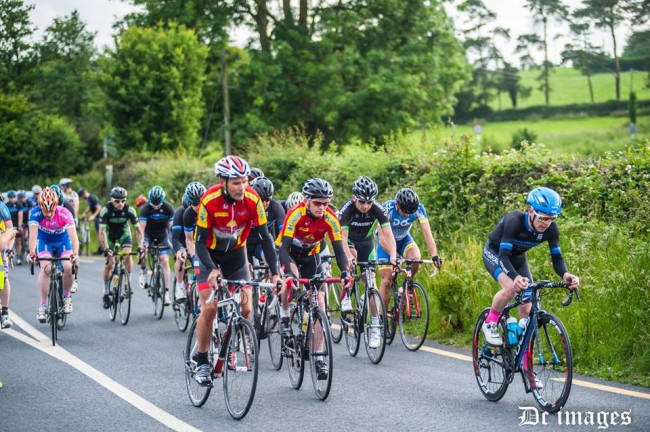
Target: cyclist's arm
[387, 241]
[285, 254]
[559, 265]
[344, 239]
[84, 213]
[33, 234]
[10, 225]
[428, 237]
[102, 237]
[95, 213]
[269, 249]
[189, 242]
[72, 232]
[341, 258]
[6, 237]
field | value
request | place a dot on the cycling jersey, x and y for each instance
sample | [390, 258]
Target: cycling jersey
[157, 220]
[178, 234]
[15, 208]
[5, 220]
[275, 218]
[307, 232]
[513, 237]
[116, 222]
[401, 225]
[189, 219]
[361, 226]
[5, 217]
[53, 232]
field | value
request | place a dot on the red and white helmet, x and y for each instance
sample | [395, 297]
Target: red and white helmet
[232, 167]
[48, 200]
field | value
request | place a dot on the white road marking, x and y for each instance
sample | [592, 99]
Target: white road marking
[44, 344]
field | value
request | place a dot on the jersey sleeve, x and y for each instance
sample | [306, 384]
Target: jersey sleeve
[334, 227]
[559, 265]
[133, 216]
[511, 226]
[257, 208]
[378, 212]
[345, 215]
[4, 212]
[189, 219]
[103, 216]
[421, 213]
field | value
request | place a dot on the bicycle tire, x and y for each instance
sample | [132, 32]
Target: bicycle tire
[240, 365]
[488, 362]
[414, 316]
[198, 394]
[125, 299]
[391, 322]
[351, 329]
[295, 362]
[158, 293]
[322, 387]
[333, 305]
[374, 298]
[552, 362]
[53, 308]
[181, 312]
[62, 318]
[274, 336]
[113, 296]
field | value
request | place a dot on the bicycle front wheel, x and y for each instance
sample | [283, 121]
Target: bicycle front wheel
[550, 359]
[489, 362]
[334, 311]
[274, 334]
[198, 394]
[181, 312]
[158, 293]
[414, 316]
[295, 358]
[114, 293]
[53, 315]
[124, 304]
[321, 361]
[240, 376]
[351, 321]
[374, 326]
[391, 316]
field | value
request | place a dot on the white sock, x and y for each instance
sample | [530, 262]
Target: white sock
[284, 313]
[107, 285]
[375, 321]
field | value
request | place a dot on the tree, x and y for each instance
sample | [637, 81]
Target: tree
[582, 53]
[606, 14]
[153, 82]
[15, 30]
[543, 11]
[509, 82]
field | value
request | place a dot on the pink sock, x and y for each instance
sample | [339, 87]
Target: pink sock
[493, 316]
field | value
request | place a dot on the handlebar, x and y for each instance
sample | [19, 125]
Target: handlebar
[545, 284]
[241, 283]
[52, 259]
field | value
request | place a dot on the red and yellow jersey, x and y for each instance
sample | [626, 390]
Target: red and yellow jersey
[306, 232]
[229, 223]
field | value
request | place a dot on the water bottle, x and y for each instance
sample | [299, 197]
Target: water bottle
[527, 295]
[522, 326]
[191, 278]
[115, 279]
[511, 326]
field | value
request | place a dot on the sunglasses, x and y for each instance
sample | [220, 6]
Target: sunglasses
[543, 217]
[118, 201]
[321, 203]
[363, 201]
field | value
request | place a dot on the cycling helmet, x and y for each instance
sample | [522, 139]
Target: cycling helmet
[81, 191]
[232, 167]
[407, 200]
[263, 187]
[365, 188]
[193, 192]
[11, 194]
[65, 182]
[36, 189]
[317, 188]
[157, 195]
[59, 193]
[545, 200]
[48, 200]
[294, 199]
[255, 173]
[118, 193]
[140, 200]
[21, 194]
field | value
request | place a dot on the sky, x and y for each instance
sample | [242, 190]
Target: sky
[99, 16]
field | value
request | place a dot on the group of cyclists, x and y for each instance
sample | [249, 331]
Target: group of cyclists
[222, 228]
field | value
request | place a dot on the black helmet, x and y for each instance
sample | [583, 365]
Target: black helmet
[118, 193]
[255, 173]
[81, 191]
[407, 200]
[364, 188]
[263, 187]
[317, 188]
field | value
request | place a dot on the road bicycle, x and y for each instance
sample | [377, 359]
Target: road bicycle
[233, 353]
[84, 238]
[266, 314]
[310, 338]
[541, 353]
[120, 292]
[409, 306]
[55, 315]
[189, 307]
[364, 307]
[156, 286]
[332, 300]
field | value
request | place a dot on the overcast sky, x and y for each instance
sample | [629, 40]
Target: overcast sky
[99, 16]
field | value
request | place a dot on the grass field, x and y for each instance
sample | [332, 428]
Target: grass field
[569, 86]
[588, 136]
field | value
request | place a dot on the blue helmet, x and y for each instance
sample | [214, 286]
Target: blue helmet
[11, 194]
[545, 200]
[157, 195]
[59, 193]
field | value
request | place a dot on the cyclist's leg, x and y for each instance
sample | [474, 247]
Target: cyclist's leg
[164, 261]
[385, 273]
[234, 266]
[108, 270]
[179, 273]
[524, 270]
[43, 251]
[126, 242]
[204, 326]
[5, 291]
[411, 251]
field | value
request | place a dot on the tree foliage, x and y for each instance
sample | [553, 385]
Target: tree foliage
[15, 30]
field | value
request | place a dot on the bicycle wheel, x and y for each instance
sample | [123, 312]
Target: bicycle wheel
[158, 293]
[181, 312]
[488, 361]
[62, 318]
[334, 311]
[86, 240]
[351, 321]
[124, 304]
[53, 308]
[240, 376]
[198, 394]
[195, 302]
[295, 362]
[374, 306]
[414, 316]
[274, 334]
[391, 321]
[113, 297]
[550, 358]
[320, 349]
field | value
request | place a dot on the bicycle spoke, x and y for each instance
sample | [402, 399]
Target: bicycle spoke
[240, 377]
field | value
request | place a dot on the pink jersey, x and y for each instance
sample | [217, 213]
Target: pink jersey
[52, 230]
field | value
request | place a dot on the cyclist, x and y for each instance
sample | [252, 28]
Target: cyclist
[504, 254]
[16, 211]
[274, 215]
[68, 205]
[402, 212]
[292, 200]
[359, 218]
[36, 192]
[305, 227]
[227, 212]
[94, 207]
[7, 236]
[51, 228]
[255, 173]
[193, 193]
[114, 218]
[70, 195]
[155, 220]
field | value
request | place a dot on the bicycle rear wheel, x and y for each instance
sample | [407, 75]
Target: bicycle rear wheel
[53, 308]
[124, 304]
[295, 362]
[240, 376]
[489, 363]
[198, 394]
[113, 296]
[550, 358]
[181, 312]
[334, 311]
[320, 349]
[274, 334]
[391, 321]
[351, 321]
[374, 305]
[158, 293]
[414, 316]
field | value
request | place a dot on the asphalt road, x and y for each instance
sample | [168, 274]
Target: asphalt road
[105, 376]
